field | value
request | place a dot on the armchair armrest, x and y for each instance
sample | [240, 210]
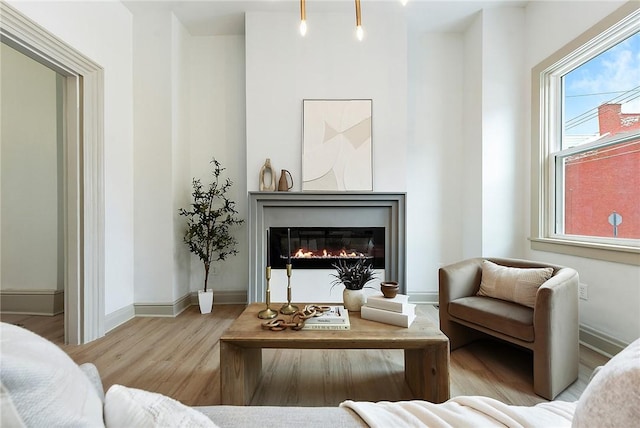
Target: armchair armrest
[556, 301]
[459, 280]
[556, 329]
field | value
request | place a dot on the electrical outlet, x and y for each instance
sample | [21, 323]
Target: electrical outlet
[582, 291]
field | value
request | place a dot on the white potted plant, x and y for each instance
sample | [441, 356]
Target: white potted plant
[354, 277]
[209, 221]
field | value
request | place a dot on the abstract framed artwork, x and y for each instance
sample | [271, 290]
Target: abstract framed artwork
[336, 145]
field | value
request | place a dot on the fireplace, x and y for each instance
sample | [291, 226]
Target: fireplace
[322, 247]
[363, 224]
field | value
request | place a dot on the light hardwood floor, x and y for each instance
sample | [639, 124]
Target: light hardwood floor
[180, 357]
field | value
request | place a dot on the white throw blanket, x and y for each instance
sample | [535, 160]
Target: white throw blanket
[465, 411]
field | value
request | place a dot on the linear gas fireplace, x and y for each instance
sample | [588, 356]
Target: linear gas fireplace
[322, 247]
[325, 228]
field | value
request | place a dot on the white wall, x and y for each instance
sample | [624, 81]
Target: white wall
[181, 143]
[189, 100]
[153, 157]
[103, 32]
[613, 307]
[217, 129]
[470, 202]
[434, 167]
[284, 68]
[30, 175]
[504, 142]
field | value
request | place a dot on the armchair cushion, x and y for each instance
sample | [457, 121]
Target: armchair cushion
[508, 318]
[518, 285]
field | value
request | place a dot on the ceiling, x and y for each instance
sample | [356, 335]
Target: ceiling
[220, 17]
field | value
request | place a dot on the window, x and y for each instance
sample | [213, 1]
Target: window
[587, 130]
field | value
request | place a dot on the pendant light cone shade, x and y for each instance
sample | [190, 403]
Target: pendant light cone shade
[303, 17]
[359, 30]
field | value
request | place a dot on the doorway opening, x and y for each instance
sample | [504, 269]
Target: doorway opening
[31, 189]
[82, 159]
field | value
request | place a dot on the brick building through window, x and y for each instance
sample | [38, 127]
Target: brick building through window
[602, 186]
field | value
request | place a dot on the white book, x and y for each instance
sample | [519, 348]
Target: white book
[326, 326]
[389, 317]
[335, 315]
[395, 304]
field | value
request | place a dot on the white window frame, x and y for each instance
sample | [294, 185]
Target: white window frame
[546, 129]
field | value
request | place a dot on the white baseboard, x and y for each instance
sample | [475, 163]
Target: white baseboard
[423, 298]
[600, 342]
[163, 309]
[190, 299]
[119, 317]
[32, 302]
[224, 297]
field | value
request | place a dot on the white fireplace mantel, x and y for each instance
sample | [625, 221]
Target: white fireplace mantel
[326, 209]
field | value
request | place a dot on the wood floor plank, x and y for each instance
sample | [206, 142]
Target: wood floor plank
[180, 357]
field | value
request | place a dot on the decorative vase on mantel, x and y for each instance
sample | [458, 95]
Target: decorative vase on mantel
[267, 177]
[353, 299]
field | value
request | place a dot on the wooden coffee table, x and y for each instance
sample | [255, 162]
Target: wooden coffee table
[426, 352]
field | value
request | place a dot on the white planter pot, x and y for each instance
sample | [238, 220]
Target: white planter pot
[205, 299]
[353, 299]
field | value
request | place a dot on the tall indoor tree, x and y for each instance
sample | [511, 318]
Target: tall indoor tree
[210, 219]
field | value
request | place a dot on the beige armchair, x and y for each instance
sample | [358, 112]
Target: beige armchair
[549, 329]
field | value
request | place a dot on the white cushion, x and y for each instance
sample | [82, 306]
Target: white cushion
[130, 407]
[518, 285]
[612, 398]
[9, 416]
[44, 384]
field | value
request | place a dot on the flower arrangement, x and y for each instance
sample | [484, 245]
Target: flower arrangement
[353, 276]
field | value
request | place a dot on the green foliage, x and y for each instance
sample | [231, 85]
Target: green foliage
[353, 276]
[209, 220]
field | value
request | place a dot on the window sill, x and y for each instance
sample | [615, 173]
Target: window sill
[610, 253]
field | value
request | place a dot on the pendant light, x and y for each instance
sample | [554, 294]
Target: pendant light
[303, 17]
[359, 30]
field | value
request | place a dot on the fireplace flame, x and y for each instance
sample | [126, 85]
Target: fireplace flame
[324, 254]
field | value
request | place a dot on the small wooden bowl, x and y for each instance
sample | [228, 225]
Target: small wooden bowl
[389, 289]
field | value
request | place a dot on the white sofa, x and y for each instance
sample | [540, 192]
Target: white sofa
[42, 386]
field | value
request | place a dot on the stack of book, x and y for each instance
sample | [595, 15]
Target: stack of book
[396, 311]
[337, 318]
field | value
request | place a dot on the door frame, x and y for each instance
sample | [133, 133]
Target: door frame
[83, 160]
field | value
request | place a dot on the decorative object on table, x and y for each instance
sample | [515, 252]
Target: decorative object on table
[389, 288]
[210, 219]
[394, 304]
[336, 145]
[267, 184]
[354, 277]
[305, 319]
[283, 183]
[288, 308]
[336, 318]
[396, 311]
[268, 313]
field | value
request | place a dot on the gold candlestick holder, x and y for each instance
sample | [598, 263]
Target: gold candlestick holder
[288, 309]
[268, 313]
